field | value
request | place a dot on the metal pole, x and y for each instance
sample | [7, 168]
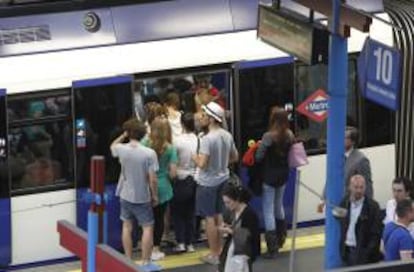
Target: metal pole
[337, 88]
[294, 222]
[95, 214]
[93, 226]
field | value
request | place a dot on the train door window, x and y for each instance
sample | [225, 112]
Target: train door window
[309, 79]
[40, 141]
[258, 89]
[99, 114]
[193, 88]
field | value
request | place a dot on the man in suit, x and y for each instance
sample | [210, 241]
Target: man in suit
[361, 228]
[355, 163]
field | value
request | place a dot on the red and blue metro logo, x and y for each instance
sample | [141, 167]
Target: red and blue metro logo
[315, 107]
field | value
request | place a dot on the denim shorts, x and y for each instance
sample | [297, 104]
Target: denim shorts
[142, 212]
[209, 200]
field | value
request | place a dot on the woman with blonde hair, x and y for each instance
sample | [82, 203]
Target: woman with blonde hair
[160, 141]
[152, 111]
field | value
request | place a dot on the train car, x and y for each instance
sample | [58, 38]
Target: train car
[59, 108]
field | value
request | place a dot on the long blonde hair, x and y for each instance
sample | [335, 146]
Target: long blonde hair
[153, 110]
[160, 135]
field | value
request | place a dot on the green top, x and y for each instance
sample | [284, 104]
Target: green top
[165, 191]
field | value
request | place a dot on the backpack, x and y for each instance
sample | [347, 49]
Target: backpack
[254, 169]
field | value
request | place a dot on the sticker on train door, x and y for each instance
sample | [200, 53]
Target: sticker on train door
[80, 133]
[315, 107]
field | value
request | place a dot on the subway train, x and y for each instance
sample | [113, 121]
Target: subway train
[59, 108]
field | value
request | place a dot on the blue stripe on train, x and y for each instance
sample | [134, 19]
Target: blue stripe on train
[5, 232]
[112, 208]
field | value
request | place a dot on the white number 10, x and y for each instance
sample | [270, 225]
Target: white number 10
[384, 65]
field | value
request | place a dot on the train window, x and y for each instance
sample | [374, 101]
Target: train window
[187, 86]
[99, 113]
[40, 141]
[259, 89]
[308, 80]
[193, 89]
[378, 125]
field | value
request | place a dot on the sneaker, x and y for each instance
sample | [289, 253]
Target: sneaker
[179, 248]
[157, 255]
[149, 267]
[190, 248]
[209, 259]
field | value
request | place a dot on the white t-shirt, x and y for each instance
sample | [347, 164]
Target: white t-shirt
[390, 215]
[175, 124]
[186, 145]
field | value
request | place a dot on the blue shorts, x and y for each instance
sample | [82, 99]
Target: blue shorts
[209, 200]
[142, 212]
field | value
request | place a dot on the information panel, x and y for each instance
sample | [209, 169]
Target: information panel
[292, 34]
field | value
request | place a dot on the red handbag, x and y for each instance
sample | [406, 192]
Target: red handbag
[248, 157]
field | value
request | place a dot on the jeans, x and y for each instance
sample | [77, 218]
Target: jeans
[272, 202]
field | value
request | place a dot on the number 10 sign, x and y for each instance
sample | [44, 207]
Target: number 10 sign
[379, 73]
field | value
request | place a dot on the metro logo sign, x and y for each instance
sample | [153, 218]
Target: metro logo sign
[315, 107]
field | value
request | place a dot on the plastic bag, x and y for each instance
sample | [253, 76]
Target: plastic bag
[237, 263]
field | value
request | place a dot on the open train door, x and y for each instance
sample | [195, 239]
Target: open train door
[5, 216]
[259, 85]
[100, 107]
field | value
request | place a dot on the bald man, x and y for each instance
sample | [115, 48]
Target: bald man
[361, 229]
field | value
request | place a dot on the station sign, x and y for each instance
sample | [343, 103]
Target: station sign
[315, 107]
[294, 34]
[379, 73]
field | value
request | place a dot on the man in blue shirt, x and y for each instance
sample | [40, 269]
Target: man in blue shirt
[398, 243]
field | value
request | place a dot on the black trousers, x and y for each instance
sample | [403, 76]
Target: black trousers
[183, 214]
[159, 212]
[351, 256]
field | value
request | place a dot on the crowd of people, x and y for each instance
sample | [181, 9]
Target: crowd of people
[367, 235]
[175, 170]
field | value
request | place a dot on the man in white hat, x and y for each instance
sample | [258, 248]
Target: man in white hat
[217, 151]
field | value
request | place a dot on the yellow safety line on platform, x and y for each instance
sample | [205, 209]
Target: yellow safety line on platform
[188, 259]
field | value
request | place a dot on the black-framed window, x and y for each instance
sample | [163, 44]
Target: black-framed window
[185, 83]
[259, 89]
[40, 141]
[99, 114]
[377, 123]
[309, 79]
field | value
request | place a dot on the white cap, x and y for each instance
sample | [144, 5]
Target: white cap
[214, 110]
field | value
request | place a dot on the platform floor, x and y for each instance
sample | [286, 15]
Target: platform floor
[309, 258]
